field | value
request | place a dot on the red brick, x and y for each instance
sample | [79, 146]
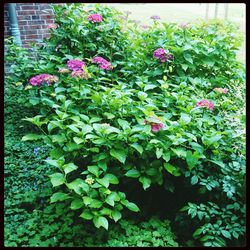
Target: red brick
[50, 21]
[29, 7]
[47, 16]
[24, 18]
[22, 23]
[26, 12]
[32, 37]
[34, 22]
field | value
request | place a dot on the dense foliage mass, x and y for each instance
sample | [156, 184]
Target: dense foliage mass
[146, 119]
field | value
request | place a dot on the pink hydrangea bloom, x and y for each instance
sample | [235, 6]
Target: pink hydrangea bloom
[155, 17]
[103, 64]
[95, 18]
[52, 26]
[75, 64]
[43, 78]
[221, 90]
[163, 55]
[155, 127]
[206, 104]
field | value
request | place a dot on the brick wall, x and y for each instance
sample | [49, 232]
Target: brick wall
[33, 20]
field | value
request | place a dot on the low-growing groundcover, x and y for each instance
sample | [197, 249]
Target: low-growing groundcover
[144, 128]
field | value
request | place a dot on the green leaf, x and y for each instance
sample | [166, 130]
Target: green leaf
[226, 234]
[86, 215]
[132, 206]
[53, 163]
[172, 169]
[124, 124]
[145, 182]
[191, 160]
[197, 232]
[138, 147]
[185, 118]
[119, 154]
[109, 115]
[94, 170]
[149, 86]
[116, 215]
[142, 95]
[78, 185]
[95, 203]
[57, 179]
[101, 222]
[78, 140]
[111, 178]
[166, 156]
[87, 200]
[188, 57]
[67, 168]
[103, 181]
[32, 137]
[59, 197]
[194, 180]
[133, 173]
[159, 152]
[76, 204]
[74, 128]
[184, 66]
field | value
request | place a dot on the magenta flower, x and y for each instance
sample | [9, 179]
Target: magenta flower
[206, 104]
[221, 90]
[95, 18]
[155, 17]
[163, 55]
[102, 63]
[75, 64]
[43, 78]
[155, 127]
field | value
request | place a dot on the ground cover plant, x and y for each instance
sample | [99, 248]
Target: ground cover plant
[138, 119]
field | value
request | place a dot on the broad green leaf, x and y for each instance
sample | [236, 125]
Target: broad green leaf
[194, 180]
[191, 160]
[226, 234]
[185, 118]
[172, 169]
[32, 137]
[188, 57]
[197, 232]
[138, 147]
[59, 197]
[78, 140]
[78, 185]
[57, 179]
[74, 128]
[123, 123]
[149, 86]
[111, 178]
[101, 222]
[116, 215]
[159, 152]
[95, 203]
[53, 163]
[133, 173]
[119, 154]
[103, 181]
[86, 215]
[166, 156]
[142, 95]
[132, 206]
[76, 204]
[146, 182]
[94, 170]
[109, 115]
[67, 168]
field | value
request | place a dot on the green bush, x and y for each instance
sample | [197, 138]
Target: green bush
[143, 119]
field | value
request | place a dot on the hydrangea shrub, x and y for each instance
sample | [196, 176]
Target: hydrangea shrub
[128, 103]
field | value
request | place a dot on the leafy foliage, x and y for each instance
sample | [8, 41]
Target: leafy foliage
[101, 126]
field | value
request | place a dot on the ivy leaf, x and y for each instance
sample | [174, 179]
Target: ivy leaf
[69, 167]
[57, 179]
[94, 170]
[59, 197]
[119, 154]
[133, 173]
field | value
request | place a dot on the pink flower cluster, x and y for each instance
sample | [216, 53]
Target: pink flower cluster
[221, 90]
[95, 18]
[75, 64]
[79, 74]
[43, 78]
[155, 127]
[163, 55]
[103, 64]
[206, 104]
